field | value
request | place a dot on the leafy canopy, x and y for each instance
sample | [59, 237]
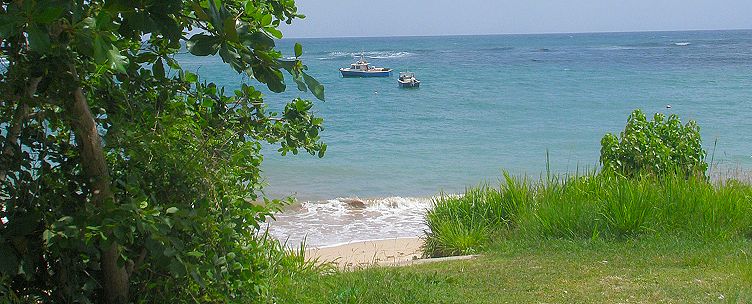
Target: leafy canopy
[111, 151]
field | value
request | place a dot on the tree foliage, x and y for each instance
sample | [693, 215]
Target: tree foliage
[654, 147]
[127, 178]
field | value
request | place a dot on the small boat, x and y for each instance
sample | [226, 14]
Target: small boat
[407, 80]
[363, 69]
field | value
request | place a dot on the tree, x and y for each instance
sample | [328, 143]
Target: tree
[123, 171]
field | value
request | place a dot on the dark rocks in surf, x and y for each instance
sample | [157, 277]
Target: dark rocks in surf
[355, 203]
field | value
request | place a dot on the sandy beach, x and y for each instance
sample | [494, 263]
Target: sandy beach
[388, 252]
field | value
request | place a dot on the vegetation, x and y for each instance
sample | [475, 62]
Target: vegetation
[647, 228]
[125, 178]
[604, 206]
[599, 238]
[464, 224]
[652, 183]
[654, 147]
[661, 269]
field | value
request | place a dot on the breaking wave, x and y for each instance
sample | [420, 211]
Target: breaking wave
[640, 46]
[499, 49]
[371, 55]
[342, 220]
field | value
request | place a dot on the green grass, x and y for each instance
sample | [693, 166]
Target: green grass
[597, 238]
[586, 207]
[658, 269]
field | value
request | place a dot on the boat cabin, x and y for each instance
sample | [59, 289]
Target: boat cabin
[361, 65]
[406, 75]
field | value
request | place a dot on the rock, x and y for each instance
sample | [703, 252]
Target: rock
[355, 203]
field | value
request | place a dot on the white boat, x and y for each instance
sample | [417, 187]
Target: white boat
[408, 80]
[363, 69]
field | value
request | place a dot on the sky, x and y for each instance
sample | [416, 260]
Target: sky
[361, 18]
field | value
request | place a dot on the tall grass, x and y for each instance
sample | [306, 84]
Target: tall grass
[591, 206]
[280, 265]
[462, 225]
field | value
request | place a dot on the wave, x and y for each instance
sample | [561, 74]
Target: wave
[647, 45]
[499, 49]
[342, 220]
[370, 55]
[386, 204]
[615, 48]
[639, 46]
[385, 55]
[361, 241]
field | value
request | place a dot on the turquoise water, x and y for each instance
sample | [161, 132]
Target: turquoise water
[488, 103]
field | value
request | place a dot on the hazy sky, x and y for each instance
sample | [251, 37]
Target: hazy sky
[338, 18]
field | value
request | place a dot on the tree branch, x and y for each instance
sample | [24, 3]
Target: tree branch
[20, 115]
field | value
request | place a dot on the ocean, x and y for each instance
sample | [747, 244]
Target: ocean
[487, 104]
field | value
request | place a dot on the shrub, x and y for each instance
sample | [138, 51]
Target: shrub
[654, 147]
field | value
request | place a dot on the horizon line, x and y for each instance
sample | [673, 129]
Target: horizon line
[521, 34]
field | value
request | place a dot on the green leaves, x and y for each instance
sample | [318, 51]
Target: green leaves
[316, 88]
[8, 260]
[203, 45]
[266, 20]
[39, 39]
[183, 156]
[302, 79]
[274, 32]
[48, 14]
[259, 41]
[116, 60]
[190, 77]
[654, 147]
[298, 50]
[158, 69]
[229, 30]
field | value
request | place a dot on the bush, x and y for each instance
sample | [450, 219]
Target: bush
[654, 147]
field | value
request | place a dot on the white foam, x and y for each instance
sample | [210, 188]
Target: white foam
[344, 220]
[361, 241]
[371, 55]
[385, 55]
[615, 48]
[682, 43]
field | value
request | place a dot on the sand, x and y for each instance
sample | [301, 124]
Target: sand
[388, 252]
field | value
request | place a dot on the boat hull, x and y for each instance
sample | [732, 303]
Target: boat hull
[346, 73]
[409, 84]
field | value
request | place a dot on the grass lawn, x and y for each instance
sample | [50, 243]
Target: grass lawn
[654, 270]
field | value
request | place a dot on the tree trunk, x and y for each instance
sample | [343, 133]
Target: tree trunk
[95, 169]
[22, 110]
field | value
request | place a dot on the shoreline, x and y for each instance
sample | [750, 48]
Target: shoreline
[361, 254]
[362, 241]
